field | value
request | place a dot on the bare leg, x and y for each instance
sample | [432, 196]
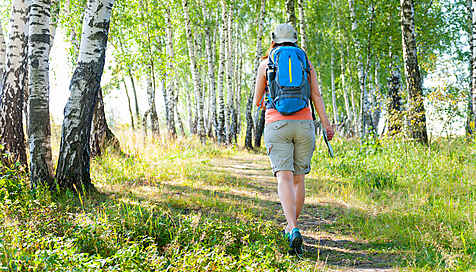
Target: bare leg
[299, 190]
[287, 196]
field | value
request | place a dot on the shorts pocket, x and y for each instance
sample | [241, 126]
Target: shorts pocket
[279, 124]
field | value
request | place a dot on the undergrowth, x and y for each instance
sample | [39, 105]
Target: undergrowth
[423, 198]
[163, 208]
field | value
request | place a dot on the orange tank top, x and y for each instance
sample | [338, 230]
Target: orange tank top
[273, 115]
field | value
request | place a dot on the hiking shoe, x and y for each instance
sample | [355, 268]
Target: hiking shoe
[295, 242]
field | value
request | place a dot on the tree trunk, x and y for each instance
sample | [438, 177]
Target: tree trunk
[212, 118]
[360, 68]
[239, 71]
[333, 89]
[394, 106]
[344, 88]
[376, 99]
[471, 123]
[101, 135]
[249, 104]
[416, 110]
[260, 128]
[129, 103]
[170, 76]
[12, 137]
[74, 155]
[302, 23]
[39, 130]
[229, 74]
[134, 91]
[152, 111]
[290, 13]
[136, 100]
[221, 77]
[177, 114]
[352, 98]
[194, 70]
[2, 56]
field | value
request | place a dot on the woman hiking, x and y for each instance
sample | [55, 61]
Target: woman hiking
[286, 84]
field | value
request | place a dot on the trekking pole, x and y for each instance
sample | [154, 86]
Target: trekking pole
[329, 147]
[324, 134]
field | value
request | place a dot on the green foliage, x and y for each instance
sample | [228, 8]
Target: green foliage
[422, 198]
[170, 208]
[11, 181]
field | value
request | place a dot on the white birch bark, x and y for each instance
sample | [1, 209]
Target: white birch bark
[249, 104]
[212, 116]
[344, 88]
[302, 23]
[376, 98]
[290, 13]
[2, 56]
[221, 77]
[416, 110]
[151, 112]
[352, 98]
[229, 73]
[333, 89]
[74, 155]
[394, 117]
[12, 137]
[170, 76]
[239, 73]
[39, 130]
[194, 70]
[472, 102]
[360, 67]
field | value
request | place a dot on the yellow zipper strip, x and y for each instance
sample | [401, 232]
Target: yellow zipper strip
[290, 74]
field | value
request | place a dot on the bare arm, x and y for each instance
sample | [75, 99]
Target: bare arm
[260, 84]
[319, 104]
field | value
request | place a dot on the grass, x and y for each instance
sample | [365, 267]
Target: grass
[188, 207]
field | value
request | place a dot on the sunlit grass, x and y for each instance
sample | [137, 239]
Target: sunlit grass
[179, 205]
[421, 198]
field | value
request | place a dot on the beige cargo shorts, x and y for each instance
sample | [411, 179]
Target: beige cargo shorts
[290, 144]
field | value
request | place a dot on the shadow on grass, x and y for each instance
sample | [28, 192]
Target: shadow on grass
[332, 251]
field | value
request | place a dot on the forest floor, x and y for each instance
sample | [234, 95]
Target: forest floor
[246, 181]
[182, 206]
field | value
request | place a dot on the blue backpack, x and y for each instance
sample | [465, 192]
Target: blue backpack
[288, 84]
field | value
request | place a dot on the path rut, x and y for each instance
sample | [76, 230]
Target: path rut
[335, 251]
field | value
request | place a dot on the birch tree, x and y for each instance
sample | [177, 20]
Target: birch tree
[221, 76]
[2, 56]
[333, 89]
[229, 73]
[302, 24]
[39, 130]
[344, 88]
[170, 76]
[290, 13]
[101, 135]
[472, 100]
[360, 68]
[126, 89]
[394, 115]
[416, 109]
[74, 156]
[212, 118]
[249, 104]
[194, 70]
[12, 137]
[151, 113]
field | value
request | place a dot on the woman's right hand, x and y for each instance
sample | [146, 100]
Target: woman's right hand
[329, 131]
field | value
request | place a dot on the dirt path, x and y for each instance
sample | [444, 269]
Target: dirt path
[337, 251]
